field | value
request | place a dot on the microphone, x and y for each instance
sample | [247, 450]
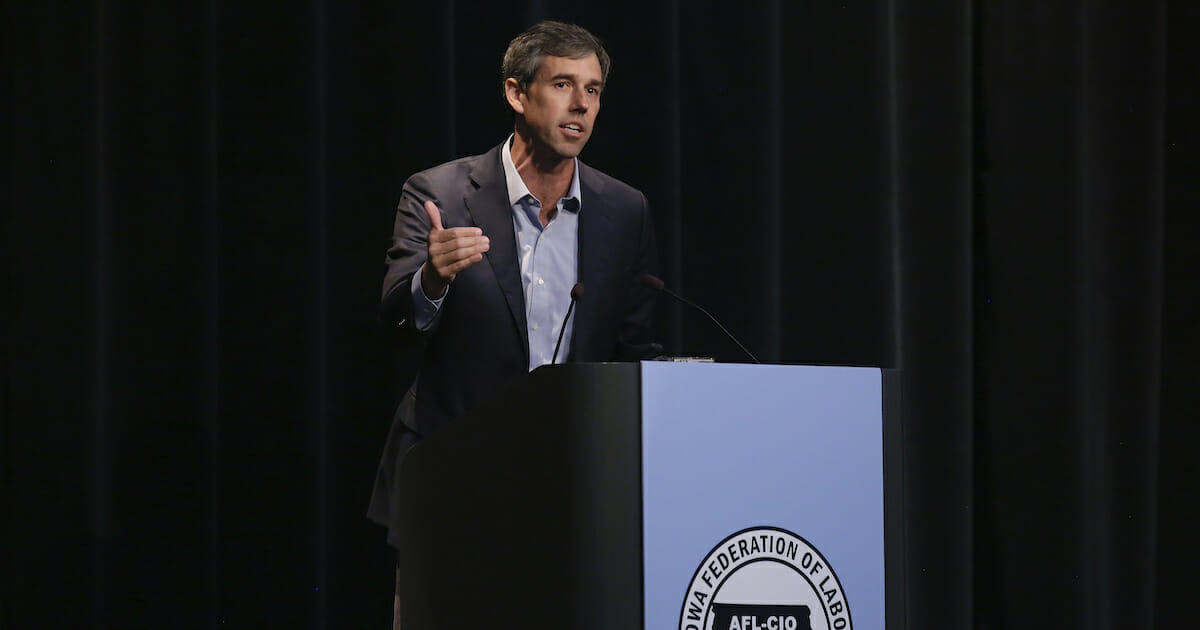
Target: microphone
[656, 283]
[576, 293]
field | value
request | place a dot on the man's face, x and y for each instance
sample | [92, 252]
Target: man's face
[560, 106]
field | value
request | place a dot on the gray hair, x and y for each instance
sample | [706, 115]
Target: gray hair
[525, 52]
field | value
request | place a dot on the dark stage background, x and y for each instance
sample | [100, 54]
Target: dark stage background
[997, 196]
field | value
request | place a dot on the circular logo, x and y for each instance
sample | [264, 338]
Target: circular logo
[765, 578]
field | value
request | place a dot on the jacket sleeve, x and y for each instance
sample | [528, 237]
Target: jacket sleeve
[410, 237]
[635, 336]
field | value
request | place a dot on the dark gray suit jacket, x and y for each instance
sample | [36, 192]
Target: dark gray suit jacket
[479, 344]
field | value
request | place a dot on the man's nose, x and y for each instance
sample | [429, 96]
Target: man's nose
[579, 100]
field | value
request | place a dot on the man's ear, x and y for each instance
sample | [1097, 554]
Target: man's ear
[513, 92]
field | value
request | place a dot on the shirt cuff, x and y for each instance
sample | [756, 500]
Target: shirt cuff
[425, 310]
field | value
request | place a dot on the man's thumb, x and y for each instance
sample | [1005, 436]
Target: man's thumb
[435, 215]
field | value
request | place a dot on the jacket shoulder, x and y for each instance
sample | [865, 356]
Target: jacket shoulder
[452, 174]
[609, 186]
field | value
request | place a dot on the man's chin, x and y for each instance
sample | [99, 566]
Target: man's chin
[570, 150]
[559, 150]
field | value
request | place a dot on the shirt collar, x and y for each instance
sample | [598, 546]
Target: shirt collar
[517, 190]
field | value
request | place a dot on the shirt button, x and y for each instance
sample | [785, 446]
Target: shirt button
[541, 282]
[535, 326]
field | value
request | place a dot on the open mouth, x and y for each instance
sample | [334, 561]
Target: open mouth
[573, 129]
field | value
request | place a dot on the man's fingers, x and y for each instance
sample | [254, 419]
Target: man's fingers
[435, 215]
[449, 269]
[455, 233]
[441, 243]
[452, 250]
[443, 258]
[457, 267]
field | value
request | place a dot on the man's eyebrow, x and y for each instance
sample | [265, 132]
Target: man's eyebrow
[566, 76]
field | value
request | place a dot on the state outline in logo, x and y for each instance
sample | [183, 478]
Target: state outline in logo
[769, 597]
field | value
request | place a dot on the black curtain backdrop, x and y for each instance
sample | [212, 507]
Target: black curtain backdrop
[996, 196]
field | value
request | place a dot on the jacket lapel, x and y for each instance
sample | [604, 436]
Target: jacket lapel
[596, 229]
[488, 205]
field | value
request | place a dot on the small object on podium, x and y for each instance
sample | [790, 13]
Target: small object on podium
[685, 359]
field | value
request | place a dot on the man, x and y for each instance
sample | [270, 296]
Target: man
[487, 249]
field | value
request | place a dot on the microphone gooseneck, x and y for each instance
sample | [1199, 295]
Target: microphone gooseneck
[576, 293]
[656, 283]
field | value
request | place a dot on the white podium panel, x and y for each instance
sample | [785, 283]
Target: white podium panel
[762, 495]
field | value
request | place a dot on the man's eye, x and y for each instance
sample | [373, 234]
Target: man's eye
[560, 84]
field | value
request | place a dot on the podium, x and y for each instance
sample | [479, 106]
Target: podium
[657, 495]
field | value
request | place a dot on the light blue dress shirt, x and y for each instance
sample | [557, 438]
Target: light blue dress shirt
[548, 258]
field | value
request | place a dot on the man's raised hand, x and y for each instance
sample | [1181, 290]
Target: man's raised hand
[449, 252]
